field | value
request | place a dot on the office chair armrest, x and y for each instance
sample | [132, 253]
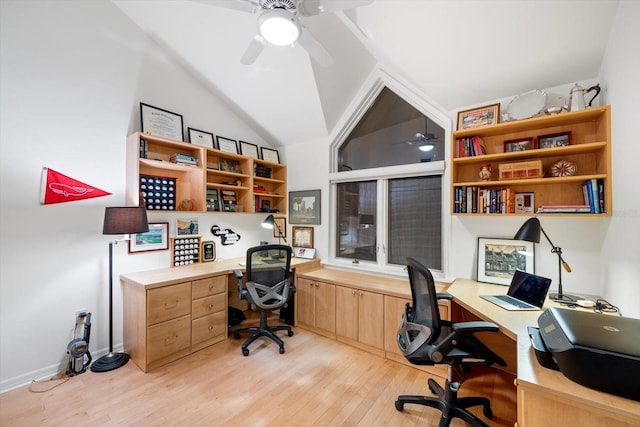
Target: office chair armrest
[471, 327]
[459, 331]
[444, 295]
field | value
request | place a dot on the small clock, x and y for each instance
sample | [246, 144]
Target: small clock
[208, 251]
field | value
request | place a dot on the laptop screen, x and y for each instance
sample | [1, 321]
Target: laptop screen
[529, 288]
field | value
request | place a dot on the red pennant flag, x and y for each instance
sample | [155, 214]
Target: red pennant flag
[59, 188]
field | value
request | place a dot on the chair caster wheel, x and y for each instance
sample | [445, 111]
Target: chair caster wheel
[245, 351]
[236, 335]
[399, 406]
[486, 410]
[289, 333]
[281, 350]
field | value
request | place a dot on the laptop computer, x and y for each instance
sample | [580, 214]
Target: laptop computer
[526, 292]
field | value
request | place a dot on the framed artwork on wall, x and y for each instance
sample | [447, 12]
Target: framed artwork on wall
[304, 207]
[158, 122]
[156, 239]
[227, 145]
[498, 259]
[200, 137]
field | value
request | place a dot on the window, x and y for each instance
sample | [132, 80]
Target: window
[388, 189]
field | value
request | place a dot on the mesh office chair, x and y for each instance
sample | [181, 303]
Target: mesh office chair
[268, 286]
[425, 339]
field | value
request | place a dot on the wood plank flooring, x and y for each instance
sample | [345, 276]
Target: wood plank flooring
[317, 382]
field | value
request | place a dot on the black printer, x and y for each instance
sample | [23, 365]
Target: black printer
[599, 351]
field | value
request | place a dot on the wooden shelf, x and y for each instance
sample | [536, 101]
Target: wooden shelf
[590, 150]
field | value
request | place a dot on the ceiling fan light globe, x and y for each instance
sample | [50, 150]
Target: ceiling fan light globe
[279, 27]
[426, 147]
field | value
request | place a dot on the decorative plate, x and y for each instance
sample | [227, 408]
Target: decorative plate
[563, 168]
[527, 105]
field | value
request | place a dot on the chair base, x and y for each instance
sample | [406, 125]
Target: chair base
[262, 331]
[449, 404]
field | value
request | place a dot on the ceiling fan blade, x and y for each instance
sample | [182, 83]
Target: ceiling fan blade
[314, 48]
[242, 5]
[253, 50]
[315, 7]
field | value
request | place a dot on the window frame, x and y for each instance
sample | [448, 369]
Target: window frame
[418, 100]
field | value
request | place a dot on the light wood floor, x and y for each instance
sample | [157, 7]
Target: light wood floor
[317, 382]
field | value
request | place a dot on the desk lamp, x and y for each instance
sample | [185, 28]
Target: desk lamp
[270, 222]
[118, 220]
[530, 232]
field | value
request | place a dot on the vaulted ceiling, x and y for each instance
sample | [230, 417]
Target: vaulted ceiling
[458, 52]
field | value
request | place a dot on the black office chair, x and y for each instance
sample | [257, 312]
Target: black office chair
[269, 287]
[425, 339]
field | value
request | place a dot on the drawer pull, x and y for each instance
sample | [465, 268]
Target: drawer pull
[211, 287]
[170, 340]
[210, 328]
[210, 306]
[168, 306]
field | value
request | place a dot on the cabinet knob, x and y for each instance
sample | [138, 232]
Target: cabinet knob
[168, 305]
[210, 306]
[170, 340]
[360, 293]
[353, 292]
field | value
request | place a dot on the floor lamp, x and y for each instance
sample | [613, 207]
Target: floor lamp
[530, 232]
[118, 220]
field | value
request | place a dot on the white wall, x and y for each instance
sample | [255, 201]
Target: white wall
[71, 78]
[620, 253]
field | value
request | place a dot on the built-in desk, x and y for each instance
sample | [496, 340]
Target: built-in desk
[172, 312]
[545, 397]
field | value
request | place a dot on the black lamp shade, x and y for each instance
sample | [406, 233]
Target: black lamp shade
[269, 222]
[530, 231]
[125, 220]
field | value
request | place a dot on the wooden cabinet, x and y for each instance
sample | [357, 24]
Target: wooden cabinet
[359, 316]
[589, 150]
[251, 184]
[164, 323]
[315, 305]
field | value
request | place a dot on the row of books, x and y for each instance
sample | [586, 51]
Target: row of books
[184, 159]
[593, 195]
[470, 147]
[474, 199]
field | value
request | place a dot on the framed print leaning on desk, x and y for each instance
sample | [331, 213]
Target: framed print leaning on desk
[498, 259]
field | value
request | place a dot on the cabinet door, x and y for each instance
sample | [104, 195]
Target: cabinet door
[325, 304]
[393, 311]
[347, 312]
[305, 291]
[370, 318]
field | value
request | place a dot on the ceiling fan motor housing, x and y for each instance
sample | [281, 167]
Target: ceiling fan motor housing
[278, 4]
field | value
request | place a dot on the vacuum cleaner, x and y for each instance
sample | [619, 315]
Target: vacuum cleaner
[78, 347]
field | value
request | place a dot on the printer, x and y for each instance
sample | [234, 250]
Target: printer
[595, 350]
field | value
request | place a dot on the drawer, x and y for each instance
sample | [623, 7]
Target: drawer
[167, 338]
[203, 306]
[209, 327]
[209, 286]
[168, 302]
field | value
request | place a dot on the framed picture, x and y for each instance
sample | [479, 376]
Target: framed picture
[227, 145]
[200, 137]
[307, 253]
[248, 149]
[187, 226]
[304, 207]
[524, 203]
[553, 140]
[270, 155]
[481, 116]
[281, 224]
[498, 259]
[156, 239]
[522, 144]
[158, 122]
[302, 237]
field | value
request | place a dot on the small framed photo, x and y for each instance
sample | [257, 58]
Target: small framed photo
[156, 239]
[522, 144]
[554, 140]
[200, 137]
[187, 226]
[498, 259]
[227, 145]
[207, 251]
[304, 207]
[270, 155]
[481, 116]
[524, 203]
[281, 225]
[265, 206]
[158, 122]
[302, 237]
[306, 253]
[248, 149]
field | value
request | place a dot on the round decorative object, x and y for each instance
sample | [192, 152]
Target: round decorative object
[563, 168]
[186, 205]
[485, 172]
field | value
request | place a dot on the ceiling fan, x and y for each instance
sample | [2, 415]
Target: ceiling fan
[279, 23]
[424, 142]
